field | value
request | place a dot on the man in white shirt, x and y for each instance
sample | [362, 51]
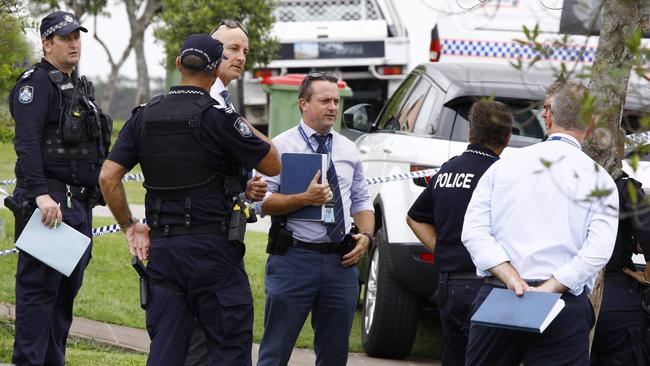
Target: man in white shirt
[543, 219]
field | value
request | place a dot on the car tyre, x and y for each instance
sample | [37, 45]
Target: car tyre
[389, 316]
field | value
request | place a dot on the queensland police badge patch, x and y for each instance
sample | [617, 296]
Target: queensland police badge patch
[26, 94]
[243, 128]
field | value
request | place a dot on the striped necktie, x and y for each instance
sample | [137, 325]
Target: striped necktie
[335, 230]
[226, 97]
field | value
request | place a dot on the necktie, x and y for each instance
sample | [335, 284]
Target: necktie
[335, 230]
[226, 97]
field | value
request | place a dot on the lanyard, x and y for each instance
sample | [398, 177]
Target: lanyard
[328, 145]
[567, 140]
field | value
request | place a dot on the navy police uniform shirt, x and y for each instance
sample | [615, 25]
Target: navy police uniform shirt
[633, 227]
[226, 141]
[34, 101]
[444, 202]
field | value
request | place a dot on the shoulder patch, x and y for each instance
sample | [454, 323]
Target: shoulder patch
[26, 94]
[242, 127]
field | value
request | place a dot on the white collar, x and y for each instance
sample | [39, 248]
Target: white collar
[310, 131]
[566, 136]
[218, 86]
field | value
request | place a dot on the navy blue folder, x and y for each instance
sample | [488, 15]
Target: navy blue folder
[298, 169]
[532, 312]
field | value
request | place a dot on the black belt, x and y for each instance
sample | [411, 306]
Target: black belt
[53, 185]
[325, 248]
[445, 276]
[497, 282]
[162, 231]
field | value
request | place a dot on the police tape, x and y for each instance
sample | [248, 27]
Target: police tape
[131, 177]
[109, 229]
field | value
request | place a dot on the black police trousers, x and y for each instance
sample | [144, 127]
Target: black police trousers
[455, 297]
[199, 276]
[564, 343]
[619, 338]
[44, 297]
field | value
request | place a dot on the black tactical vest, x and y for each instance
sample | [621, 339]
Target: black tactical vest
[81, 132]
[172, 159]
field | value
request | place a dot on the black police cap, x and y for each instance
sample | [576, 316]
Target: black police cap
[205, 47]
[60, 23]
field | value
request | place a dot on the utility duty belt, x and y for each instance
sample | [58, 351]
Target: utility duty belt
[220, 228]
[77, 192]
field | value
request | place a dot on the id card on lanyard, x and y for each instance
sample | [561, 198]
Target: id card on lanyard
[328, 215]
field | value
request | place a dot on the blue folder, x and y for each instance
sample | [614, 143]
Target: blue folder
[532, 312]
[298, 169]
[60, 248]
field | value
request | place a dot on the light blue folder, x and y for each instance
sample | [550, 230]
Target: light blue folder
[59, 248]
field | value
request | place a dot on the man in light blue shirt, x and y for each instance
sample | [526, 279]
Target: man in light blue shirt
[314, 272]
[543, 219]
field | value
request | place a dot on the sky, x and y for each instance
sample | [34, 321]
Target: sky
[114, 31]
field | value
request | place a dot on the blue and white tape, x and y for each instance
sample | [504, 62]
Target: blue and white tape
[131, 177]
[109, 229]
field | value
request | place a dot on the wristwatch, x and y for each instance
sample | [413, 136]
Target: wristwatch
[128, 224]
[370, 238]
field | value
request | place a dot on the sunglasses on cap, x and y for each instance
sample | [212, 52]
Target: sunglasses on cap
[321, 75]
[232, 24]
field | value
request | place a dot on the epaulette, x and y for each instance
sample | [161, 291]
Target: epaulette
[227, 109]
[137, 108]
[27, 73]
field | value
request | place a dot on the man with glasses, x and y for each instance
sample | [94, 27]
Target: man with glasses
[314, 268]
[234, 37]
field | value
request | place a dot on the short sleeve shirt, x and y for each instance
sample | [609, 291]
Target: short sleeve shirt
[444, 201]
[223, 136]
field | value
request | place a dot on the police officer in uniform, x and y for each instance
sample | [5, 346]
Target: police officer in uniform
[436, 218]
[61, 141]
[619, 338]
[192, 152]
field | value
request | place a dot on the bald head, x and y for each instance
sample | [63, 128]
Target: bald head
[235, 49]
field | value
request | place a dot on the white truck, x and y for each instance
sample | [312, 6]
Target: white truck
[361, 41]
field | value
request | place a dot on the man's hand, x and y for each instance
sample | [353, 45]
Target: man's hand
[359, 250]
[50, 210]
[551, 285]
[510, 277]
[317, 193]
[256, 188]
[639, 276]
[137, 237]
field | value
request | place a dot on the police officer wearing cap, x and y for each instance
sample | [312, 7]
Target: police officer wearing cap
[191, 151]
[61, 141]
[436, 218]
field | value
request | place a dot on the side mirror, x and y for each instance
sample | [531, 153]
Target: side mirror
[358, 117]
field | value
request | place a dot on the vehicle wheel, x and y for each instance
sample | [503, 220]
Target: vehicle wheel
[389, 316]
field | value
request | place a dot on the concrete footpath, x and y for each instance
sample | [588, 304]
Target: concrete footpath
[138, 339]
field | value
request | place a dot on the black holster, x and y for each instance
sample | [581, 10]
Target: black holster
[22, 213]
[144, 281]
[237, 223]
[280, 238]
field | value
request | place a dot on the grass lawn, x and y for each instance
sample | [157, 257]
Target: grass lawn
[80, 352]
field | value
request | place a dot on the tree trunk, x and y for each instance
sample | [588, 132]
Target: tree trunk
[138, 27]
[608, 84]
[142, 92]
[115, 69]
